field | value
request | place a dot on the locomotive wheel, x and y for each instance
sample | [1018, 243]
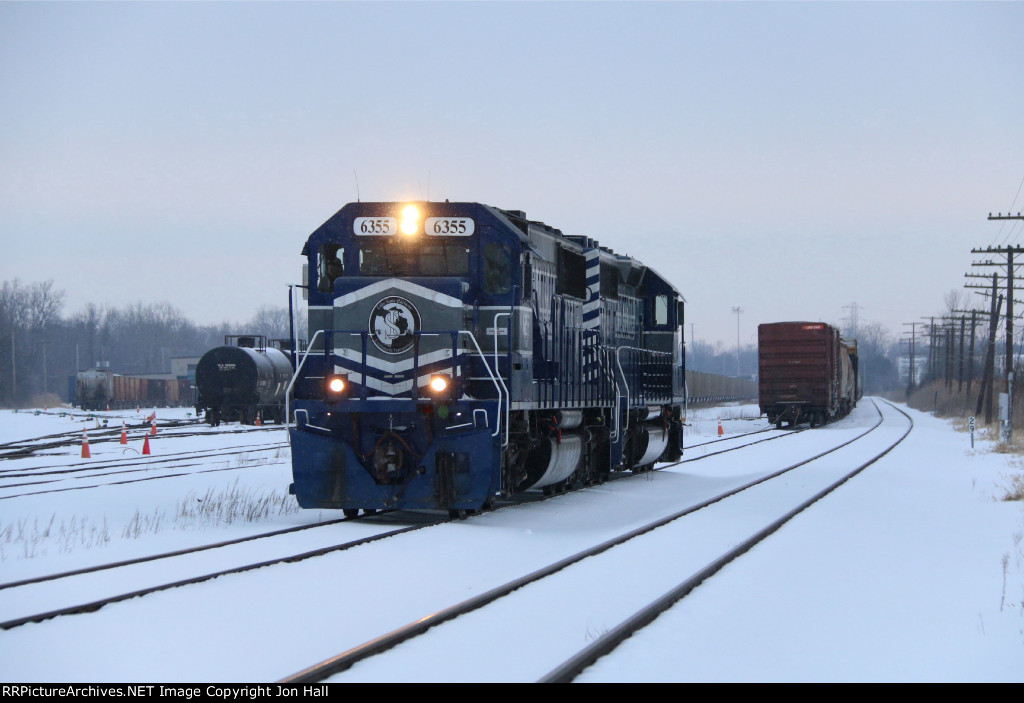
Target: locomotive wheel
[458, 513]
[350, 512]
[369, 511]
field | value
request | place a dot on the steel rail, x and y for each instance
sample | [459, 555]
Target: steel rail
[345, 660]
[575, 665]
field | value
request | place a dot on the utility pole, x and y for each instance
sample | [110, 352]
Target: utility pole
[931, 350]
[1008, 252]
[911, 369]
[737, 310]
[970, 365]
[969, 359]
[988, 373]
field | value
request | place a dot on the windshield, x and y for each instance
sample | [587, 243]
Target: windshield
[389, 257]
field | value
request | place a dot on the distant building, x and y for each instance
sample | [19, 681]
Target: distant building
[184, 367]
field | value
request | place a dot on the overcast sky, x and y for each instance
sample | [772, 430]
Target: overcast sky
[796, 160]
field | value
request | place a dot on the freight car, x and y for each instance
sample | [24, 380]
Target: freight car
[806, 373]
[101, 389]
[461, 353]
[243, 380]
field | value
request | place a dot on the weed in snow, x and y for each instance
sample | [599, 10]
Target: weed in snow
[232, 505]
[27, 539]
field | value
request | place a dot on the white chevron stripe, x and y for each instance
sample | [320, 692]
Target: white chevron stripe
[392, 366]
[388, 284]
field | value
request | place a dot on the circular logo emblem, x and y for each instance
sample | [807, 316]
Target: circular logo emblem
[393, 321]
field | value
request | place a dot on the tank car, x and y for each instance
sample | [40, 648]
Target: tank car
[242, 380]
[460, 353]
[806, 373]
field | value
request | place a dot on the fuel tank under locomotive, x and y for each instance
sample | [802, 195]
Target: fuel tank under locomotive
[235, 378]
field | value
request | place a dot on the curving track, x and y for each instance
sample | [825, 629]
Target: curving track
[622, 567]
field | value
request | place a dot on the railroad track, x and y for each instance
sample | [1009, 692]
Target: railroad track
[358, 587]
[611, 567]
[46, 444]
[23, 596]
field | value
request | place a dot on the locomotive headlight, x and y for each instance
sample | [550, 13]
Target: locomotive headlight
[410, 223]
[336, 386]
[439, 383]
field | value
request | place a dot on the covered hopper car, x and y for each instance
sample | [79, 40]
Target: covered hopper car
[101, 389]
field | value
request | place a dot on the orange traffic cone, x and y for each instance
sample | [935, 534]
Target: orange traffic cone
[85, 446]
[257, 419]
[152, 428]
[124, 434]
[720, 431]
[108, 407]
[136, 408]
[145, 445]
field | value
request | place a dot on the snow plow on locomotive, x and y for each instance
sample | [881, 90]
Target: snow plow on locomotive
[460, 353]
[806, 373]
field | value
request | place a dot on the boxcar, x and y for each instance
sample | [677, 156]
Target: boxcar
[806, 373]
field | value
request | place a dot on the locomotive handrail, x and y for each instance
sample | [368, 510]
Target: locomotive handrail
[291, 384]
[625, 383]
[497, 386]
[497, 368]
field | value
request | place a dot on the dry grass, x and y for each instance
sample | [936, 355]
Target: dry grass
[233, 504]
[1014, 488]
[26, 539]
[935, 398]
[1014, 483]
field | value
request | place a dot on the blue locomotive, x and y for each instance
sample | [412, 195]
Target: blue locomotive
[460, 353]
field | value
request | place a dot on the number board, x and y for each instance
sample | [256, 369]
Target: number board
[449, 226]
[363, 226]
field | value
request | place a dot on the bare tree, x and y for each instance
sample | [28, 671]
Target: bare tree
[955, 300]
[270, 322]
[28, 315]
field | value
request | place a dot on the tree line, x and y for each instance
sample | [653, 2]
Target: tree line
[40, 348]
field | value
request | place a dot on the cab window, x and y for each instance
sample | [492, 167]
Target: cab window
[397, 258]
[329, 266]
[497, 268]
[661, 310]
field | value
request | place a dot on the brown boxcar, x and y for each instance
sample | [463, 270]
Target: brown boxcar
[806, 373]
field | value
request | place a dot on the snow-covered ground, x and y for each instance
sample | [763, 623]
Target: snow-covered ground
[912, 571]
